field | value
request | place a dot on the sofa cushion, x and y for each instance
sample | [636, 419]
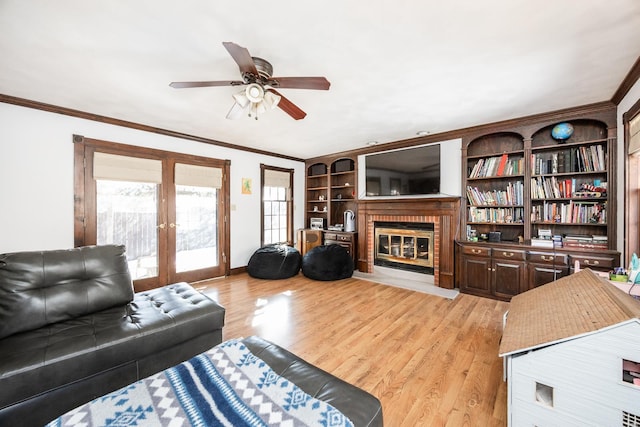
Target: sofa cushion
[55, 355]
[361, 407]
[45, 287]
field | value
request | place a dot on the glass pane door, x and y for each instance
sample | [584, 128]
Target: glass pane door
[127, 214]
[196, 228]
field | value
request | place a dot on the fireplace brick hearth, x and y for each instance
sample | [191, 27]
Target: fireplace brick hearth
[443, 212]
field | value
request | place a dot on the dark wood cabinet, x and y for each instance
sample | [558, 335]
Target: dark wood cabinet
[544, 267]
[490, 272]
[502, 271]
[476, 275]
[508, 272]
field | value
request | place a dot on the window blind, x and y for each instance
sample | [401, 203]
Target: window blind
[198, 176]
[274, 178]
[125, 168]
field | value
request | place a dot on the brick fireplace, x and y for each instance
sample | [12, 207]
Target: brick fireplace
[442, 212]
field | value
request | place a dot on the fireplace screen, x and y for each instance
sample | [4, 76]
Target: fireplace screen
[407, 248]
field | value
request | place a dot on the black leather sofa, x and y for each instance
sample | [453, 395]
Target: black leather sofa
[72, 329]
[361, 407]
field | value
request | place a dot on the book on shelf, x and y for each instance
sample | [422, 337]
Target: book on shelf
[590, 158]
[502, 164]
[584, 245]
[542, 243]
[588, 238]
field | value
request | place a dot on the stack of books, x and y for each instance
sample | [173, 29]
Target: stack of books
[544, 239]
[585, 241]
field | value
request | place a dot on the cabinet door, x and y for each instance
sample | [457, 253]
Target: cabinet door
[508, 278]
[540, 274]
[476, 275]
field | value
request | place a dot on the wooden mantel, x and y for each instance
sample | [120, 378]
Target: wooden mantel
[444, 212]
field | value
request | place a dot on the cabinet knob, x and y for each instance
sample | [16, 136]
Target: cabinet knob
[507, 254]
[545, 258]
[476, 251]
[589, 262]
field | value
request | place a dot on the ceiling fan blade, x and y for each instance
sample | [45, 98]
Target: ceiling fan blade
[242, 57]
[289, 107]
[182, 85]
[317, 83]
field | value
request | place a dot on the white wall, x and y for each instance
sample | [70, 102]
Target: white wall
[627, 102]
[36, 179]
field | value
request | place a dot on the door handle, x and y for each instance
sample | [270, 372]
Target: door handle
[162, 226]
[172, 225]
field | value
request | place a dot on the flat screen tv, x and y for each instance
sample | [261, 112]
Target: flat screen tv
[403, 172]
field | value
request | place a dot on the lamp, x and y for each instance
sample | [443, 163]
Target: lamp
[253, 100]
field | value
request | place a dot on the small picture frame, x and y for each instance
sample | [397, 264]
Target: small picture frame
[246, 185]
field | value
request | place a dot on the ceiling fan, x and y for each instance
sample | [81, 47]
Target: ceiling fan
[260, 92]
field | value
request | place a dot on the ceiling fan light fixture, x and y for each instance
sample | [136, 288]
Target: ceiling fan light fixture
[237, 111]
[271, 100]
[254, 92]
[241, 99]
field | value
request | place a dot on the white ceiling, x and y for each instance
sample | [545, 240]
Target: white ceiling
[395, 67]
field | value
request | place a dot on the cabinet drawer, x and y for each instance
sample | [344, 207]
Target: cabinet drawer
[340, 237]
[599, 262]
[547, 258]
[343, 237]
[474, 250]
[509, 254]
[329, 236]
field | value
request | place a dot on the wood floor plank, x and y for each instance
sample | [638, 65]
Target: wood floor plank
[431, 361]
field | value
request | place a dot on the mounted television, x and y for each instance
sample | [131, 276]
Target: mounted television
[411, 171]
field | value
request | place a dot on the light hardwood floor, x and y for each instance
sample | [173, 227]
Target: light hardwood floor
[431, 361]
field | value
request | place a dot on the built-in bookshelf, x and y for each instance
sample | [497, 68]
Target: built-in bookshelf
[569, 182]
[495, 174]
[536, 206]
[331, 188]
[525, 185]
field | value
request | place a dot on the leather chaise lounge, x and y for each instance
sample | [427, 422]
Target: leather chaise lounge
[72, 329]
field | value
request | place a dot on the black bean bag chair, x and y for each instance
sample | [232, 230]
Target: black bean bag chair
[274, 262]
[327, 262]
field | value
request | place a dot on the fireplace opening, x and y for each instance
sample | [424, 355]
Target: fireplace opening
[404, 245]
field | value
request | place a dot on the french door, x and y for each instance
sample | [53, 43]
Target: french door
[169, 210]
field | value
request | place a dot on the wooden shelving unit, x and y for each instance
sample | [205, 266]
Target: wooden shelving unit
[519, 183]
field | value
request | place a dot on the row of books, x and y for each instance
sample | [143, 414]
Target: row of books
[569, 241]
[512, 195]
[575, 159]
[570, 213]
[585, 241]
[553, 188]
[496, 215]
[497, 166]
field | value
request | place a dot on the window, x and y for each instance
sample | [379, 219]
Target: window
[277, 205]
[631, 120]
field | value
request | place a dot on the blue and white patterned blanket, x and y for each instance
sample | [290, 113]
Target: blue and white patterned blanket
[226, 386]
